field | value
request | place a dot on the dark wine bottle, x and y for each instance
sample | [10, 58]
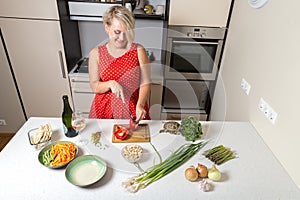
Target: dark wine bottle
[67, 119]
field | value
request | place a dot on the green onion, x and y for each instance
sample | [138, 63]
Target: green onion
[160, 159]
[175, 160]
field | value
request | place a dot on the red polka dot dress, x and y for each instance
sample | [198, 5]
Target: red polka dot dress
[126, 71]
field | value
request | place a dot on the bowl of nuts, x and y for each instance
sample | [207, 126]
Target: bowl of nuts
[132, 153]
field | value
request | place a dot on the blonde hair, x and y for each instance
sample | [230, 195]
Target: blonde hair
[125, 16]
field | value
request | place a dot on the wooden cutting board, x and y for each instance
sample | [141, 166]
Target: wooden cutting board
[140, 134]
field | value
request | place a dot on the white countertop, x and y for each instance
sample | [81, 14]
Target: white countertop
[255, 174]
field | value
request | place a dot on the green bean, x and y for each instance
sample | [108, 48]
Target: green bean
[47, 157]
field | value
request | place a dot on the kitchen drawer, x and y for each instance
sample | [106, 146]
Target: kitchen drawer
[83, 101]
[81, 87]
[79, 77]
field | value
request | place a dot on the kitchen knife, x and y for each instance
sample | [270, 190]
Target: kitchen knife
[132, 123]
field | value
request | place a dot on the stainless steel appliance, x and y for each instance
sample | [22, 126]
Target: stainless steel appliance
[192, 60]
[89, 10]
[182, 98]
[193, 52]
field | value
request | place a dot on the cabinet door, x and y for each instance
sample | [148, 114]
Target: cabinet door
[10, 106]
[212, 13]
[33, 47]
[45, 9]
[155, 101]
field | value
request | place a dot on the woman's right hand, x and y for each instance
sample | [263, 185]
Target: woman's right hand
[117, 89]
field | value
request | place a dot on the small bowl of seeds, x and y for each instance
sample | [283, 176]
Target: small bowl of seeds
[132, 153]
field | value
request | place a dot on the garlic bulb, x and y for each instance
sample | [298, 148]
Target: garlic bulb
[204, 185]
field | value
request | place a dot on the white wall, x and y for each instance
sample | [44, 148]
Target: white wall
[263, 47]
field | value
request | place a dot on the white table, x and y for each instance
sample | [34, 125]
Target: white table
[256, 174]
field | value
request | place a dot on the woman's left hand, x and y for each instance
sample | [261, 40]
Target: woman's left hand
[140, 113]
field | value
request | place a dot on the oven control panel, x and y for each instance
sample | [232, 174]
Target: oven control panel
[196, 32]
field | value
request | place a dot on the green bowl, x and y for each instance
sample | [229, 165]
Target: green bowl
[49, 146]
[85, 170]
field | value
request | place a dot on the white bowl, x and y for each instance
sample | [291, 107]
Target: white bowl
[132, 153]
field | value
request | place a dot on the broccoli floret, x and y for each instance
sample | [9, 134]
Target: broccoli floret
[191, 128]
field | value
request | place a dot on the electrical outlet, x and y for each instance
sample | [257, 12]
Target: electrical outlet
[261, 105]
[245, 86]
[268, 111]
[2, 122]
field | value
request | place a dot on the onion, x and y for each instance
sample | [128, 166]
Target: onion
[214, 174]
[191, 174]
[202, 170]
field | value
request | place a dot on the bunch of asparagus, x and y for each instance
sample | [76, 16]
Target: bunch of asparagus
[219, 154]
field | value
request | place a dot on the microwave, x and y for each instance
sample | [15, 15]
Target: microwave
[89, 10]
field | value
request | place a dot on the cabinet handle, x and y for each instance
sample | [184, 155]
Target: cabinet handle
[76, 81]
[61, 64]
[83, 92]
[156, 84]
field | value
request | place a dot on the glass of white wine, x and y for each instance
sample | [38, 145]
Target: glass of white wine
[79, 123]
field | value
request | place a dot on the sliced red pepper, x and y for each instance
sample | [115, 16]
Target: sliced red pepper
[121, 133]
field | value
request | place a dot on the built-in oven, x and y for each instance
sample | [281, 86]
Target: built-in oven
[193, 52]
[192, 61]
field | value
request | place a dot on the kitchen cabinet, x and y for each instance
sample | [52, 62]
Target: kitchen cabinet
[34, 9]
[33, 47]
[10, 106]
[156, 91]
[32, 35]
[82, 94]
[155, 100]
[213, 13]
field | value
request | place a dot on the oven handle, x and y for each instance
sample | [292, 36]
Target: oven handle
[190, 42]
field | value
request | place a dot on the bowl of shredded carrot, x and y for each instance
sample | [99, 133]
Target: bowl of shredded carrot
[58, 154]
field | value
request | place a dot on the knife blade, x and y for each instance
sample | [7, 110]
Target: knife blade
[127, 109]
[132, 123]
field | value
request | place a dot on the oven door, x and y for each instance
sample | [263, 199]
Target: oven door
[190, 96]
[193, 59]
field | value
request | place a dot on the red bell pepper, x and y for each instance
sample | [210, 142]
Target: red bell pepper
[121, 133]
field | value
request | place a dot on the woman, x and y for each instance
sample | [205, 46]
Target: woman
[119, 71]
